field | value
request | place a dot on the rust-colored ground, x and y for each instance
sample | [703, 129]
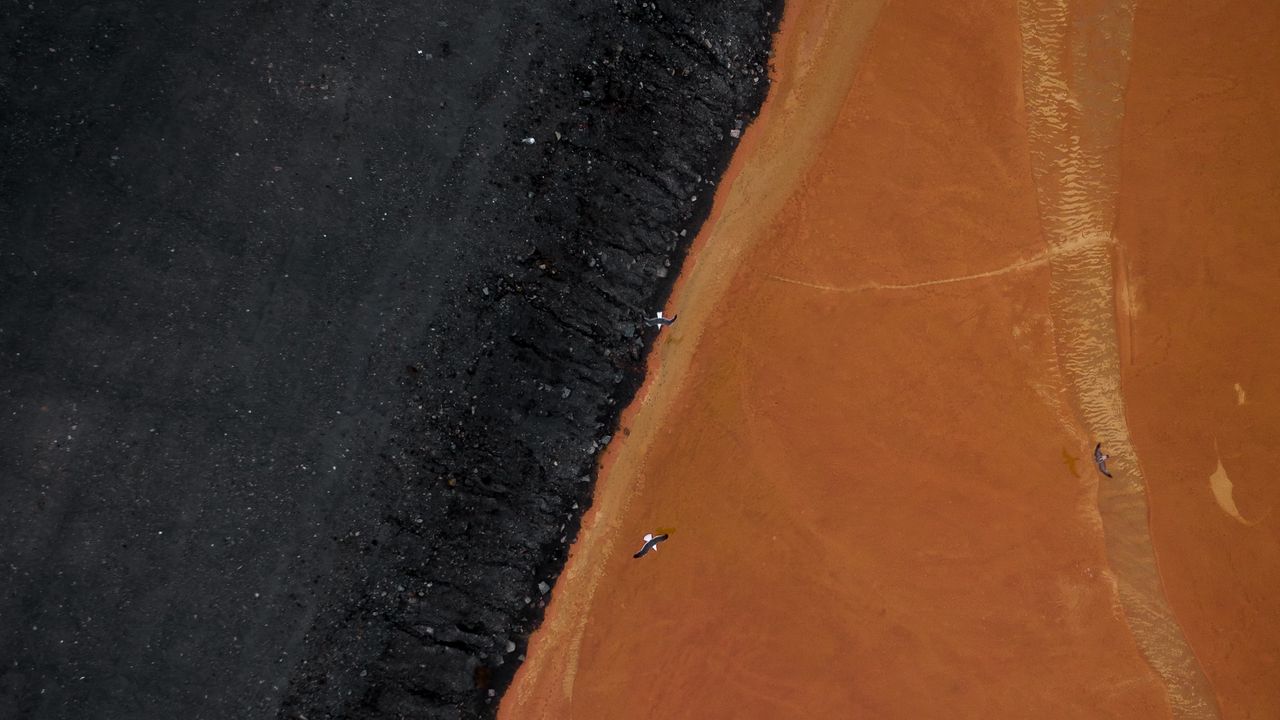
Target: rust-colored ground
[1199, 230]
[870, 432]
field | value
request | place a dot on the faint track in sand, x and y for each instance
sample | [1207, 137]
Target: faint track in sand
[1037, 261]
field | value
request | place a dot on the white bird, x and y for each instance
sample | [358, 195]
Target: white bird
[650, 543]
[660, 320]
[1100, 459]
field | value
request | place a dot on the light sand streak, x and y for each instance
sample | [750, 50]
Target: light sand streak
[1075, 71]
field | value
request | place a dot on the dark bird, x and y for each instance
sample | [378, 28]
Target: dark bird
[650, 543]
[1100, 459]
[660, 320]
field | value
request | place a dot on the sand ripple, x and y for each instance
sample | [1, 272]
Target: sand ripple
[1075, 70]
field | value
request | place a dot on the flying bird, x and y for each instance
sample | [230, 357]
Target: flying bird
[1100, 459]
[650, 543]
[660, 320]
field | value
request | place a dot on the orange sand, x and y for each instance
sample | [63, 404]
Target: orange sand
[869, 433]
[1199, 228]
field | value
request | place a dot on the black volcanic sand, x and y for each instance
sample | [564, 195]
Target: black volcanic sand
[305, 357]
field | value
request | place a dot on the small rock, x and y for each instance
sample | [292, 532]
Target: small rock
[543, 588]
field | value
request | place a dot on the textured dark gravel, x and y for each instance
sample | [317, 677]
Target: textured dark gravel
[306, 356]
